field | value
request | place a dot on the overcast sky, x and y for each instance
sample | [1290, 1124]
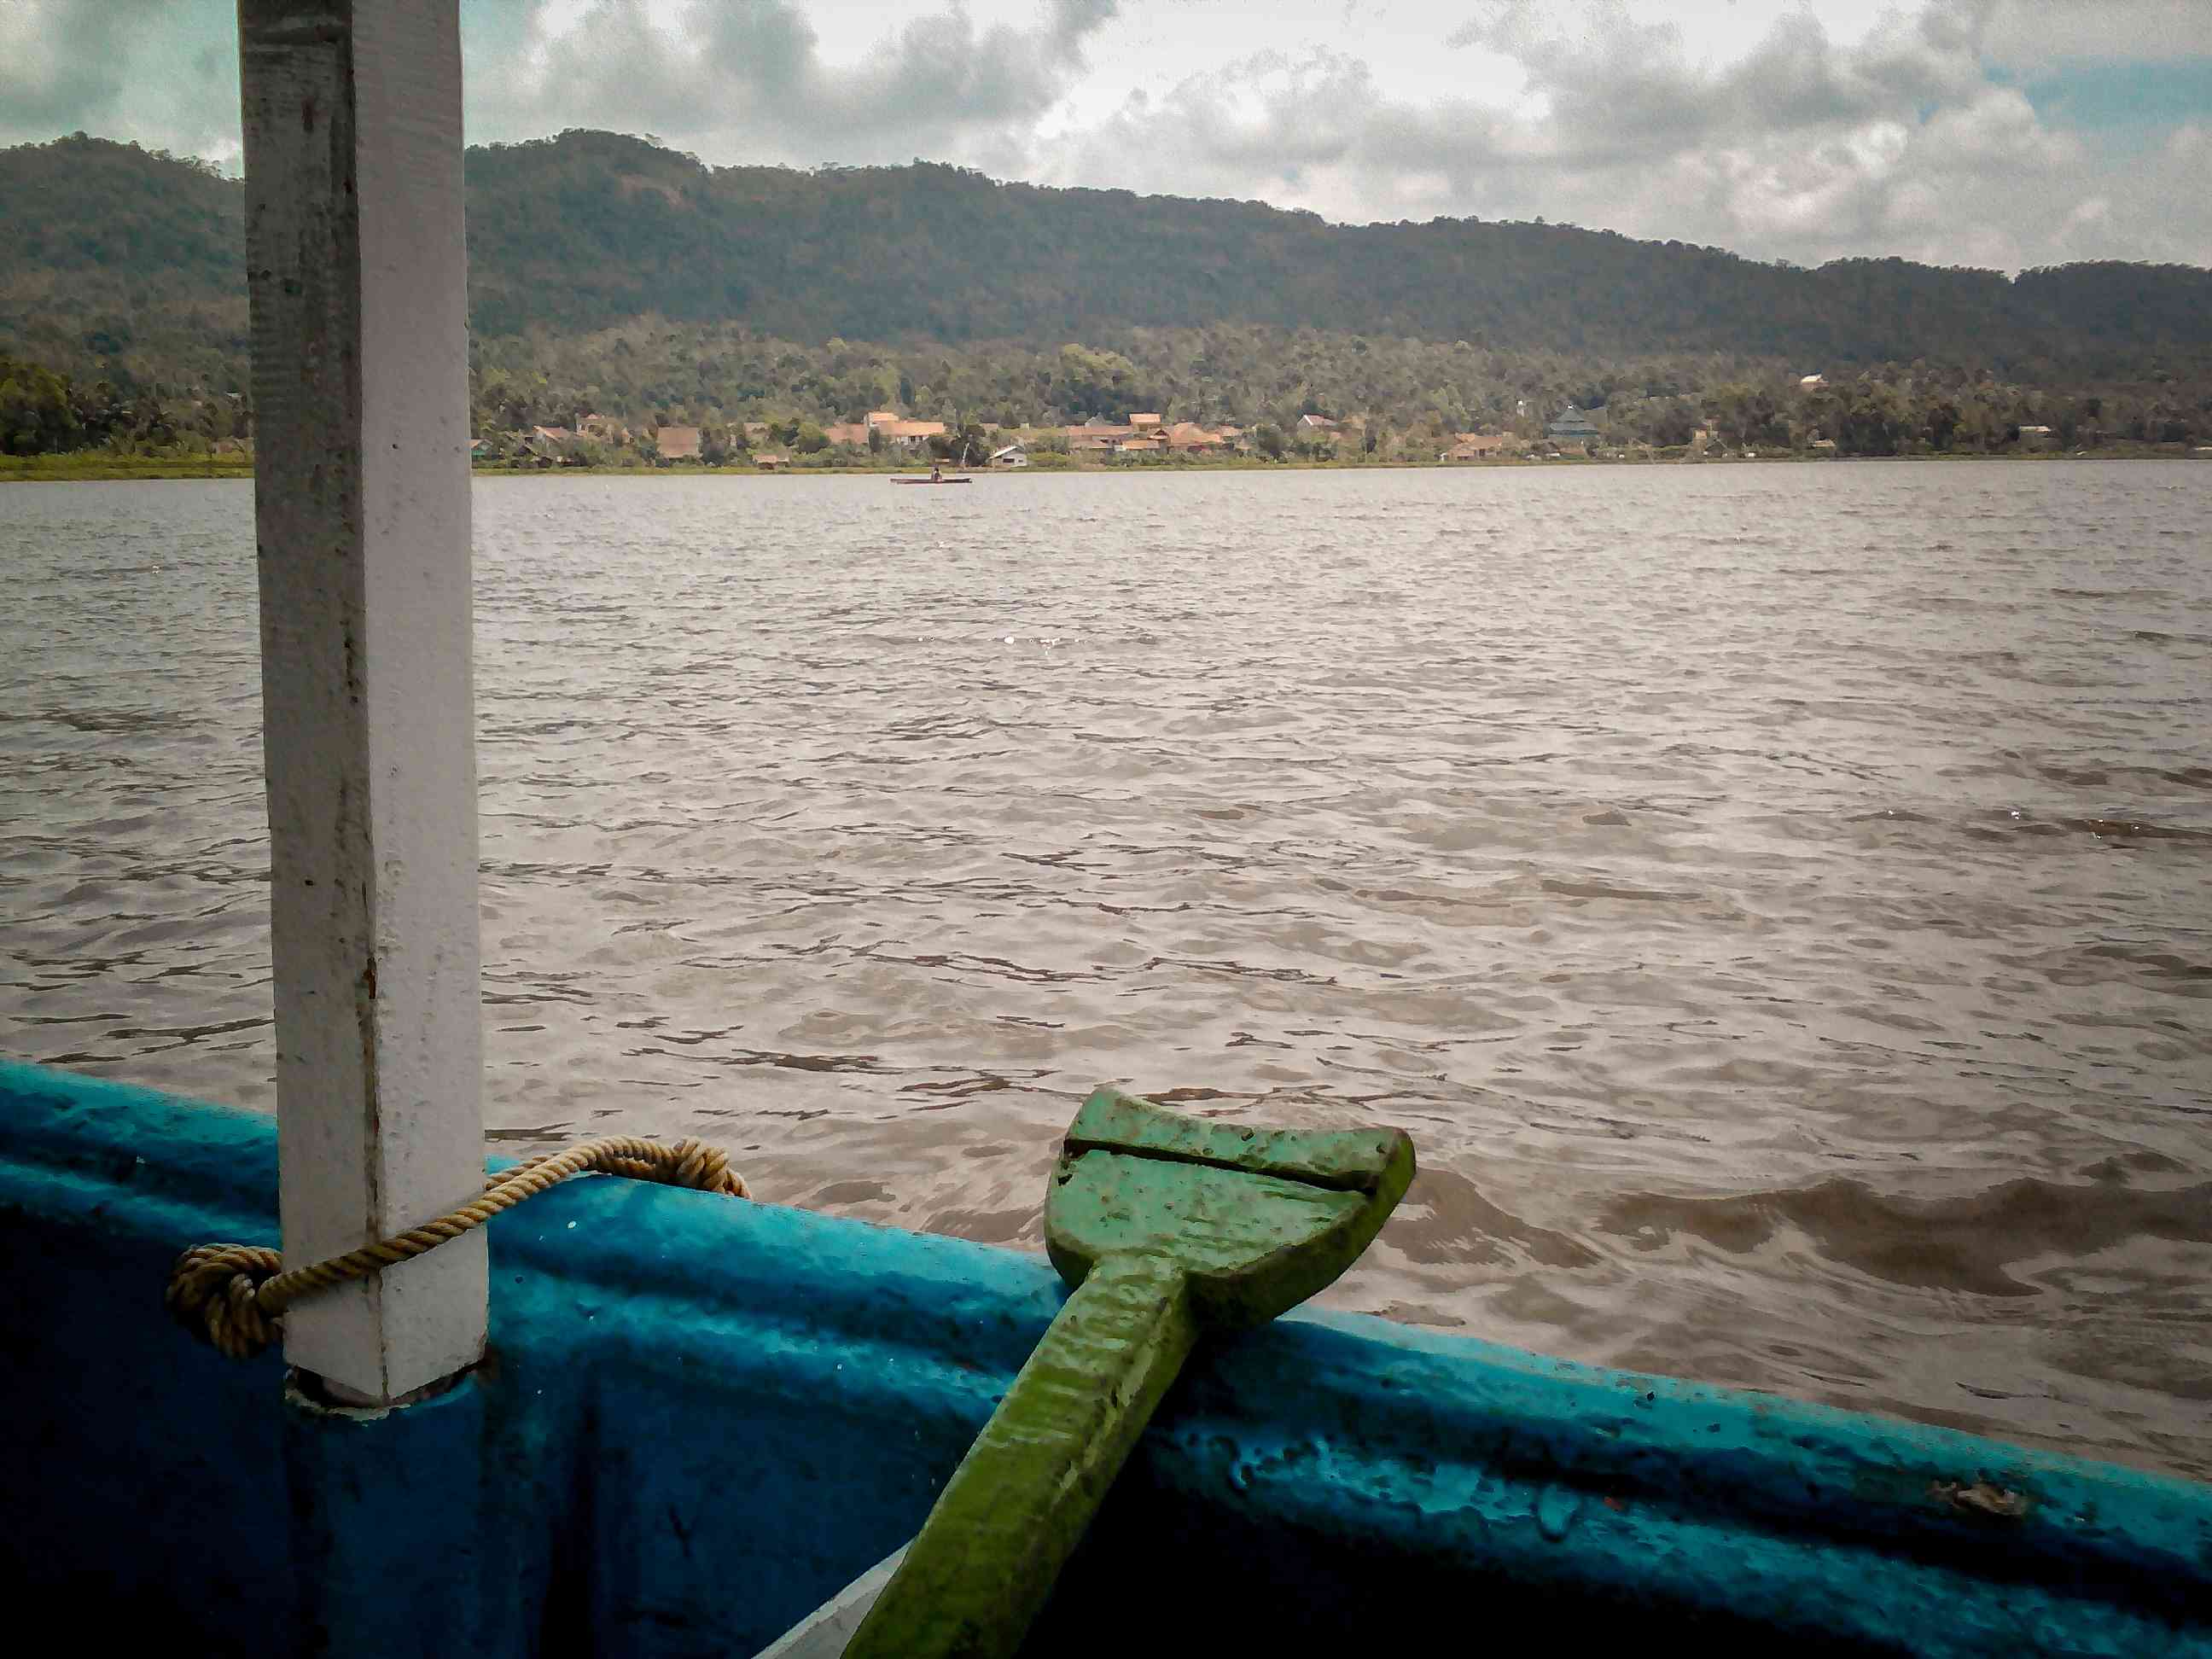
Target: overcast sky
[1992, 133]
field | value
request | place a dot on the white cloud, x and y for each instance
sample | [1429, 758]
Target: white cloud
[1789, 137]
[1781, 128]
[164, 73]
[752, 80]
[2027, 36]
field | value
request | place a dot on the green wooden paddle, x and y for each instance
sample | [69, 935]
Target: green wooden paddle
[1168, 1226]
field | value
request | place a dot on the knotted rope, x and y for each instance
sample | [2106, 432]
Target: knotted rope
[235, 1295]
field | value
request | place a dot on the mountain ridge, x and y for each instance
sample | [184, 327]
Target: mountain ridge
[124, 260]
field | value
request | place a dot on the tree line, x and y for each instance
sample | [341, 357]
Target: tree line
[1409, 399]
[45, 413]
[1410, 396]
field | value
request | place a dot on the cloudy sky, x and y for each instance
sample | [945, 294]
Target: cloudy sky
[1992, 133]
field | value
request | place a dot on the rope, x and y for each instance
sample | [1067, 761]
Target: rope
[235, 1295]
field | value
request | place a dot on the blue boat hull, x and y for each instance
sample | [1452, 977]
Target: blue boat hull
[700, 1419]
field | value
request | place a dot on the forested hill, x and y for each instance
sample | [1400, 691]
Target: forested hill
[117, 259]
[584, 230]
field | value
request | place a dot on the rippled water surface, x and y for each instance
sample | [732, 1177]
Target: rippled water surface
[1777, 899]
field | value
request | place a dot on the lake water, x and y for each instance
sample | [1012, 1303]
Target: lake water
[1777, 899]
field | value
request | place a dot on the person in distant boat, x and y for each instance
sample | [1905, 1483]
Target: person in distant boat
[936, 473]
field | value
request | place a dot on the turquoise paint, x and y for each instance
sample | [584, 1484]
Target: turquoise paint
[702, 1418]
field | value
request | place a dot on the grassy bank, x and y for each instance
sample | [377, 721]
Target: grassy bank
[94, 465]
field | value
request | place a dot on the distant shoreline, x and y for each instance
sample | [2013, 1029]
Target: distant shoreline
[101, 469]
[96, 468]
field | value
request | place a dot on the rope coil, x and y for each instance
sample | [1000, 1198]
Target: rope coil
[235, 1296]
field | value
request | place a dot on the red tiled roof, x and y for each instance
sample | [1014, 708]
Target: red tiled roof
[1189, 434]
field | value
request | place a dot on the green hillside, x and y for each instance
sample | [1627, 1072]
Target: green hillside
[583, 231]
[122, 263]
[608, 272]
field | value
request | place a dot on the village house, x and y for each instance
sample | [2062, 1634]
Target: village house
[1320, 424]
[907, 434]
[1100, 435]
[603, 429]
[1188, 435]
[1144, 423]
[2036, 437]
[769, 461]
[1475, 446]
[1812, 382]
[1012, 455]
[551, 444]
[1573, 427]
[853, 433]
[676, 443]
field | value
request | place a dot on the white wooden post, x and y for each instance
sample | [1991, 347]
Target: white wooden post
[358, 277]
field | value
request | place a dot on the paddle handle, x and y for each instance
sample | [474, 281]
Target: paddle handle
[980, 1570]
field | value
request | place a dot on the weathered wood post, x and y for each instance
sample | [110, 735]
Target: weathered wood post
[358, 278]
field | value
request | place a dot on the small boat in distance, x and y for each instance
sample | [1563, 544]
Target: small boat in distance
[934, 479]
